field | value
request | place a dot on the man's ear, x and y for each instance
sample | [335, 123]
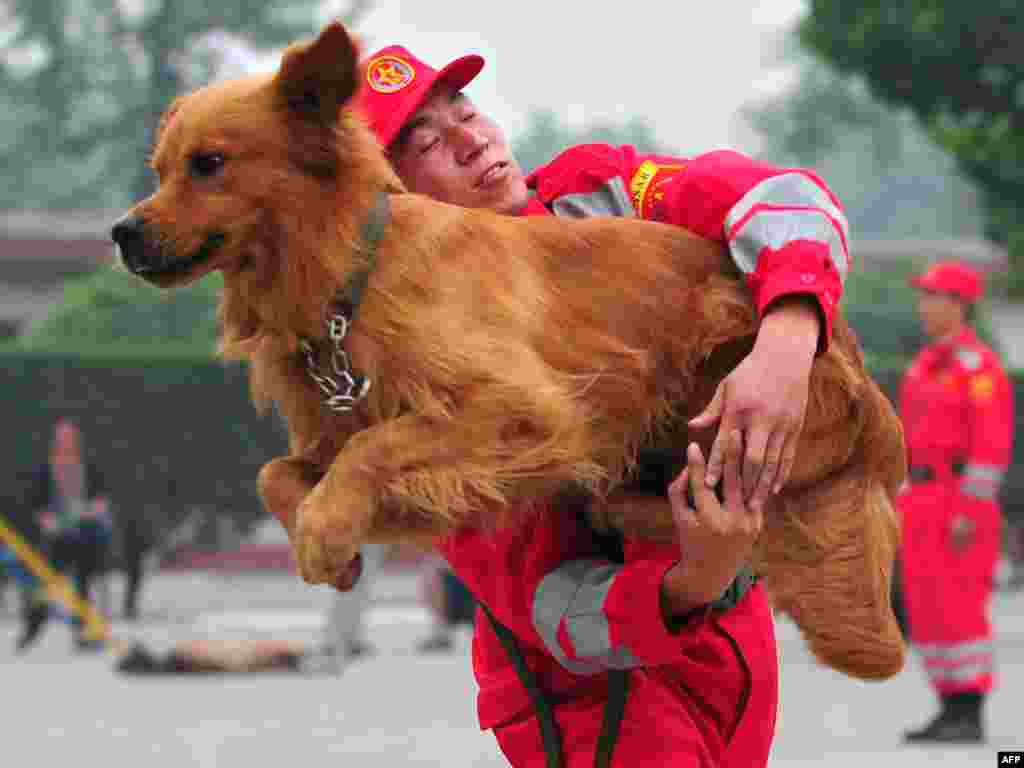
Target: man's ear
[317, 78]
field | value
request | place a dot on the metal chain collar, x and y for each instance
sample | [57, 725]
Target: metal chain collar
[341, 387]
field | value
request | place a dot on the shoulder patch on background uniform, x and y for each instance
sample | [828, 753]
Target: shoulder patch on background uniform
[969, 358]
[643, 187]
[982, 387]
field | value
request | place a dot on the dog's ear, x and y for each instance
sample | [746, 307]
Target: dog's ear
[317, 78]
[166, 117]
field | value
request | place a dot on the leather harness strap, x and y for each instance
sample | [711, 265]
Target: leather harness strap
[548, 727]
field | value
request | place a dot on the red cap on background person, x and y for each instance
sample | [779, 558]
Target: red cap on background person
[395, 83]
[953, 277]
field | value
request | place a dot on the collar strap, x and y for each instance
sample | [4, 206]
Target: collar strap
[341, 387]
[373, 233]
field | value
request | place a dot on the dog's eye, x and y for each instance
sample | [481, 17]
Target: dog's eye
[205, 164]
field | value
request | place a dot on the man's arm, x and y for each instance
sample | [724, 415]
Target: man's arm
[766, 397]
[990, 440]
[788, 237]
[592, 614]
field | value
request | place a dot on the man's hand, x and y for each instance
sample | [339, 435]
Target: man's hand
[765, 398]
[716, 538]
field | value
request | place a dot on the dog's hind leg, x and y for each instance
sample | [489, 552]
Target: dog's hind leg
[836, 586]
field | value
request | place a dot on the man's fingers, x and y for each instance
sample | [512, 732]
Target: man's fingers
[704, 501]
[787, 462]
[683, 510]
[733, 483]
[713, 412]
[753, 460]
[717, 457]
[695, 465]
[677, 489]
[770, 469]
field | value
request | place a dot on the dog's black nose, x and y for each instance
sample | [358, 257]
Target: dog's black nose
[127, 229]
[129, 234]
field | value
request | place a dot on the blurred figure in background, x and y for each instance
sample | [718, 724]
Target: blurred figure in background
[449, 602]
[133, 540]
[69, 503]
[957, 409]
[346, 621]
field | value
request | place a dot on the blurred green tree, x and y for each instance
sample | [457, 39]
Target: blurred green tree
[111, 311]
[894, 181]
[545, 136]
[83, 83]
[958, 68]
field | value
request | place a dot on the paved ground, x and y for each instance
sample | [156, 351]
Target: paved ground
[396, 709]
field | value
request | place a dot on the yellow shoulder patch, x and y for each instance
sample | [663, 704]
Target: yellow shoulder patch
[982, 387]
[646, 179]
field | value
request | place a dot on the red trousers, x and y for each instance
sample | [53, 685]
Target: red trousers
[946, 590]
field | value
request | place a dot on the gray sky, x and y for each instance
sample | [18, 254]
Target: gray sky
[686, 65]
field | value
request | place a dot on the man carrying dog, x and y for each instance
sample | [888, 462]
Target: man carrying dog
[602, 649]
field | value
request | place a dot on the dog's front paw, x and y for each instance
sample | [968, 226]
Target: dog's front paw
[326, 547]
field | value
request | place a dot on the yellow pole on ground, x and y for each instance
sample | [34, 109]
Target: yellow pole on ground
[57, 586]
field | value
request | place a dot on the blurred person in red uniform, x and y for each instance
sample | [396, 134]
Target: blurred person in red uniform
[603, 650]
[957, 409]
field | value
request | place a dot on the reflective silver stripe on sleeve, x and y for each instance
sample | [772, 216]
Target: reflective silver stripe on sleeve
[790, 189]
[777, 228]
[982, 481]
[610, 199]
[575, 593]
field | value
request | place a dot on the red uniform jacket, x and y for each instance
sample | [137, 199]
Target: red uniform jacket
[957, 406]
[712, 688]
[709, 689]
[785, 230]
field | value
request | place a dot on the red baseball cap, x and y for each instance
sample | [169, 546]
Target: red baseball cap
[953, 277]
[395, 83]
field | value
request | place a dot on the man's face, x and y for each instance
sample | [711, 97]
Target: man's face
[452, 153]
[941, 314]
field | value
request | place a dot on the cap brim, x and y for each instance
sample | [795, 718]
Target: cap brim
[461, 72]
[927, 283]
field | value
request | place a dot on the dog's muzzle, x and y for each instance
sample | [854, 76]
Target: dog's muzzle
[146, 258]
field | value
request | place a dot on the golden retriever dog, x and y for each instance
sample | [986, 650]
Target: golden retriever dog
[506, 357]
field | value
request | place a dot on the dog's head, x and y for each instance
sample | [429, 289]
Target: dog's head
[265, 178]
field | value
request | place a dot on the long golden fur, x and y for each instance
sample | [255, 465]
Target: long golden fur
[510, 357]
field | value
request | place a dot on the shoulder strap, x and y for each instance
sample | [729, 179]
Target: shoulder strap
[548, 728]
[614, 708]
